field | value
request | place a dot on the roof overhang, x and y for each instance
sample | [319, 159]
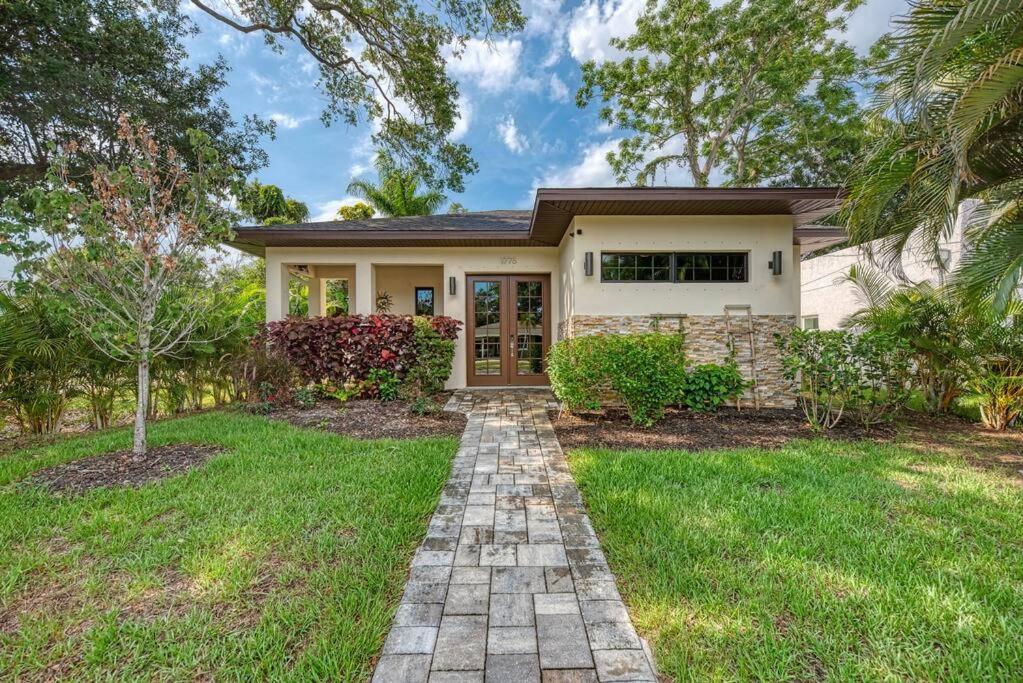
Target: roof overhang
[811, 238]
[254, 240]
[554, 209]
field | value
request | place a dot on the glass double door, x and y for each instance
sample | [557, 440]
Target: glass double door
[508, 329]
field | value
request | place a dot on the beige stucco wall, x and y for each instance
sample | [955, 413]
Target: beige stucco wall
[759, 235]
[401, 282]
[567, 275]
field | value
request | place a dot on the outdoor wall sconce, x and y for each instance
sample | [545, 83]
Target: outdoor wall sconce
[588, 263]
[775, 263]
[451, 285]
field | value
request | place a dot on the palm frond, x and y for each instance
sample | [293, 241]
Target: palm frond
[992, 269]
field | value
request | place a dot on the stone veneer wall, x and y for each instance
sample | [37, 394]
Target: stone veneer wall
[707, 342]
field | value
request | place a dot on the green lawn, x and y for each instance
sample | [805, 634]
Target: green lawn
[819, 561]
[284, 557]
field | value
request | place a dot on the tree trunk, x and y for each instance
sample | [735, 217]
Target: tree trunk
[141, 408]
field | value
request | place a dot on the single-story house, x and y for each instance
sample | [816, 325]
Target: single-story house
[721, 263]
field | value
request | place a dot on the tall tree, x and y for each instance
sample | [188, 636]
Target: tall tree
[268, 205]
[758, 92]
[396, 192]
[69, 68]
[949, 116]
[359, 211]
[129, 251]
[385, 59]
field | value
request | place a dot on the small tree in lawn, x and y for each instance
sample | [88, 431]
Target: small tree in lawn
[130, 250]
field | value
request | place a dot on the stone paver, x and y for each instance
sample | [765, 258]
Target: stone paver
[510, 583]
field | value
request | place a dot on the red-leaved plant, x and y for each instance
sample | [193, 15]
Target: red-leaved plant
[347, 347]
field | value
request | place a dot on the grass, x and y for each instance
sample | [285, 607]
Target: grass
[283, 557]
[820, 561]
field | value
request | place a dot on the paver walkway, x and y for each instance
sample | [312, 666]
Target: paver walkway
[510, 583]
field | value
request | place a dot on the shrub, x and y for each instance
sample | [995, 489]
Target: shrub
[423, 406]
[867, 374]
[343, 348]
[822, 362]
[304, 397]
[709, 386]
[884, 367]
[996, 373]
[384, 383]
[646, 372]
[434, 352]
[263, 370]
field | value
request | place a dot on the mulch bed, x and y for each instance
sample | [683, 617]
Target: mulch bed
[772, 428]
[121, 468]
[372, 419]
[984, 448]
[686, 430]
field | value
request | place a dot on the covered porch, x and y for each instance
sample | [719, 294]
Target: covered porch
[317, 289]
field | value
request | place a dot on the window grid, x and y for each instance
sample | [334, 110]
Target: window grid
[723, 267]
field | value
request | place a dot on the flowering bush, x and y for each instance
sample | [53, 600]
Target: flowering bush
[349, 347]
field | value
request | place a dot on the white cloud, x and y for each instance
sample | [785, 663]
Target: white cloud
[559, 91]
[871, 20]
[493, 67]
[545, 18]
[465, 112]
[327, 211]
[307, 64]
[510, 135]
[594, 24]
[591, 171]
[287, 121]
[542, 16]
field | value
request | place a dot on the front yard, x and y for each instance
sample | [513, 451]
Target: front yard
[820, 560]
[281, 557]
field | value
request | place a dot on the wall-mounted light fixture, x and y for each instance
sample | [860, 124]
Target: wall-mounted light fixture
[452, 284]
[775, 263]
[588, 263]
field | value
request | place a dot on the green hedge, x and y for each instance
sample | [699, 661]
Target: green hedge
[645, 371]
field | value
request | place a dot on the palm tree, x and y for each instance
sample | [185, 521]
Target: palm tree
[395, 193]
[948, 121]
[933, 323]
[41, 358]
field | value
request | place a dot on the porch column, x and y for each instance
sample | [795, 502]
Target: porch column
[277, 277]
[317, 294]
[454, 307]
[365, 288]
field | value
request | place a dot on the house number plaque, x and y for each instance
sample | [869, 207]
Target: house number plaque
[509, 260]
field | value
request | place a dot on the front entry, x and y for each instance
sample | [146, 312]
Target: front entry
[508, 329]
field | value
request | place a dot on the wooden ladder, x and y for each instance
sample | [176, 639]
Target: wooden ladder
[752, 345]
[656, 319]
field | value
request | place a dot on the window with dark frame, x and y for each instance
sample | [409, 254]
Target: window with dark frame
[424, 300]
[711, 267]
[685, 266]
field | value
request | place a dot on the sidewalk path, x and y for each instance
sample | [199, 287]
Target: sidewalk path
[510, 583]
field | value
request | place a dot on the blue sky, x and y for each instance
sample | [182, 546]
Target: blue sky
[518, 105]
[518, 102]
